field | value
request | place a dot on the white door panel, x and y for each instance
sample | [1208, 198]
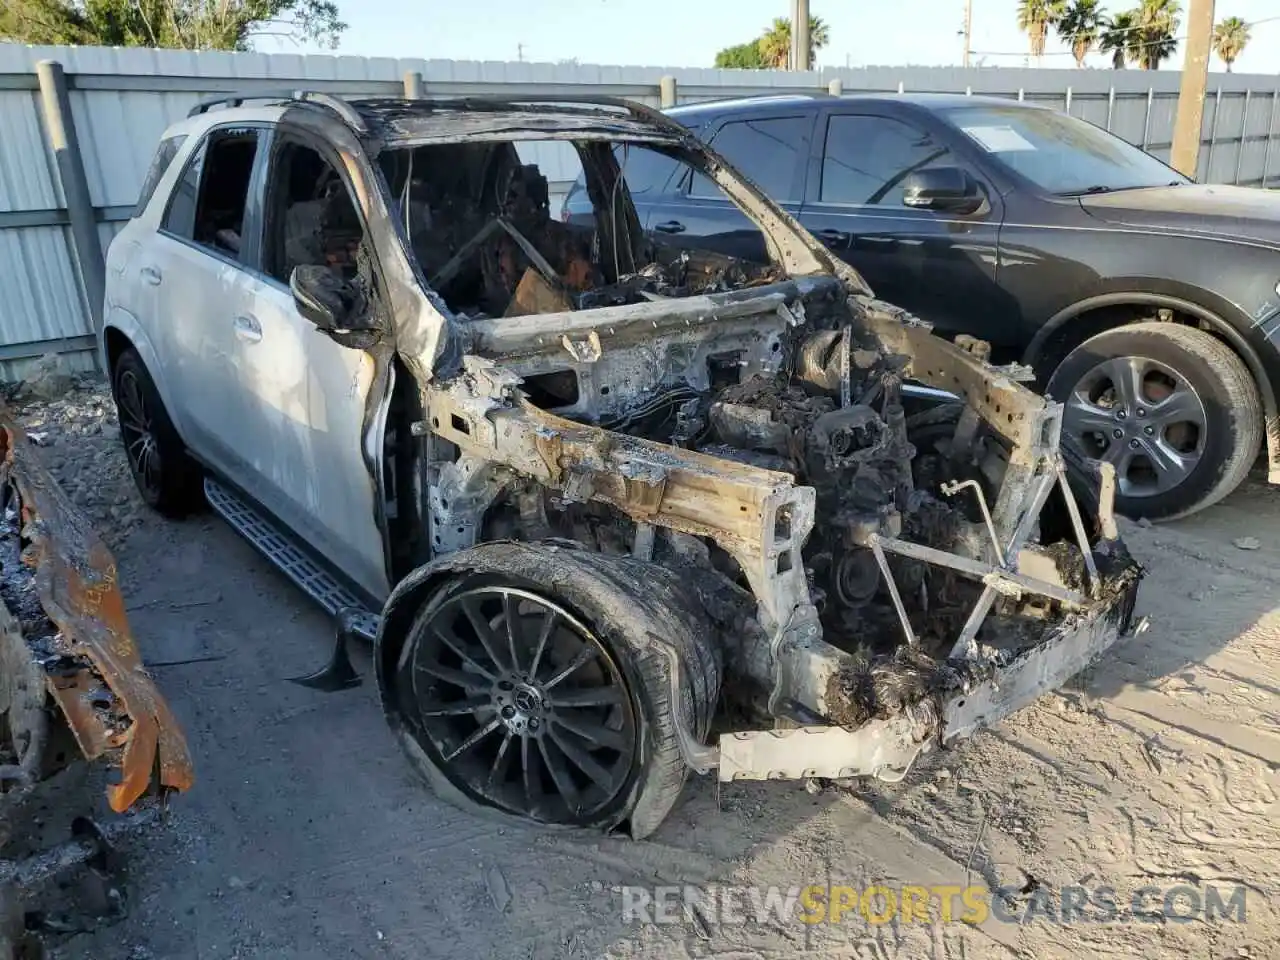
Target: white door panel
[197, 296]
[306, 439]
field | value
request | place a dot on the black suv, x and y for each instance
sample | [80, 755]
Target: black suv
[1148, 304]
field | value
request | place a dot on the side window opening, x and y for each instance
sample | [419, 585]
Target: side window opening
[311, 217]
[165, 152]
[208, 204]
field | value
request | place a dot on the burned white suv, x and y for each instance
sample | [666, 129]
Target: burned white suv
[584, 491]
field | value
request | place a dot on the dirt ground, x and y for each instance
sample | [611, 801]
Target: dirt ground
[307, 836]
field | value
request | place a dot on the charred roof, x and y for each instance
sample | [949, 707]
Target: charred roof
[514, 118]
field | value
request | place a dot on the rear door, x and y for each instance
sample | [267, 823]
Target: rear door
[941, 266]
[310, 395]
[772, 150]
[196, 269]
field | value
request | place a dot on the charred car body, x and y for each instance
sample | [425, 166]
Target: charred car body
[594, 497]
[72, 688]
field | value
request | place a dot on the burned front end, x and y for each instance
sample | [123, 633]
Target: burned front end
[879, 526]
[73, 692]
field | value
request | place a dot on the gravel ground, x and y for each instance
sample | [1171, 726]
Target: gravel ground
[306, 835]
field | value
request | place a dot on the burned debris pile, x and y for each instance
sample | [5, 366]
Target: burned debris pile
[72, 685]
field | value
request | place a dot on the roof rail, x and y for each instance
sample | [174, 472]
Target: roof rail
[336, 104]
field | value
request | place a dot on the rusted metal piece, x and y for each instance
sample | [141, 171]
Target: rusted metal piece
[91, 665]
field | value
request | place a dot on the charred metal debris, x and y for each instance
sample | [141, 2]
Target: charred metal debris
[879, 525]
[72, 685]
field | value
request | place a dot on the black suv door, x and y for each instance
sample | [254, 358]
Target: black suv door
[647, 174]
[941, 266]
[771, 149]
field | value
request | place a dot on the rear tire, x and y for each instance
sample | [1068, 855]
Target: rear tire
[597, 747]
[166, 476]
[1173, 463]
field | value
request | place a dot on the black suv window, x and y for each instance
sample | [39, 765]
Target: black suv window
[867, 158]
[766, 151]
[208, 203]
[165, 153]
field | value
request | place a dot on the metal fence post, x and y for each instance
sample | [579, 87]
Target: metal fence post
[1266, 153]
[1111, 106]
[1068, 110]
[1146, 123]
[667, 91]
[412, 85]
[1213, 135]
[87, 248]
[1244, 132]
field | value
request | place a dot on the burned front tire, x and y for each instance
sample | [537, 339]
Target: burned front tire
[535, 680]
[166, 476]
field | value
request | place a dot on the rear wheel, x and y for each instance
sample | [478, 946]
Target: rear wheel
[1172, 408]
[168, 479]
[530, 681]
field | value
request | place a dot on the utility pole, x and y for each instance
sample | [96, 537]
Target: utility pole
[800, 35]
[1187, 126]
[520, 52]
[968, 30]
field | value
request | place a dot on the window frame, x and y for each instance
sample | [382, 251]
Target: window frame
[799, 174]
[259, 216]
[155, 174]
[241, 260]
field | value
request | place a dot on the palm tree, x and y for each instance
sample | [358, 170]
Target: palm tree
[1230, 37]
[775, 45]
[1157, 22]
[1035, 17]
[1080, 25]
[1117, 38]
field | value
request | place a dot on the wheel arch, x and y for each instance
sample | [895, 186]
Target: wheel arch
[1039, 348]
[120, 331]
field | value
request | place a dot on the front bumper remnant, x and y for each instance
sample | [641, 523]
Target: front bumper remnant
[979, 696]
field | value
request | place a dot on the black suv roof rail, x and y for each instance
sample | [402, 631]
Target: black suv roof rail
[327, 100]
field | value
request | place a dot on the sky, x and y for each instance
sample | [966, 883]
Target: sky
[687, 33]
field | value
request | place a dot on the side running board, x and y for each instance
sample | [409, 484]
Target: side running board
[273, 544]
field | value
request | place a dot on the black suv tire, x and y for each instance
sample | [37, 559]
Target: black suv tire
[1115, 386]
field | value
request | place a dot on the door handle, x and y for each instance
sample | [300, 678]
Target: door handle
[150, 275]
[671, 226]
[248, 328]
[833, 237]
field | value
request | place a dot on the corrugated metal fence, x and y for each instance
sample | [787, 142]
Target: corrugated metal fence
[122, 99]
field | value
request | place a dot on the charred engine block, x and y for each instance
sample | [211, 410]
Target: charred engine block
[861, 462]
